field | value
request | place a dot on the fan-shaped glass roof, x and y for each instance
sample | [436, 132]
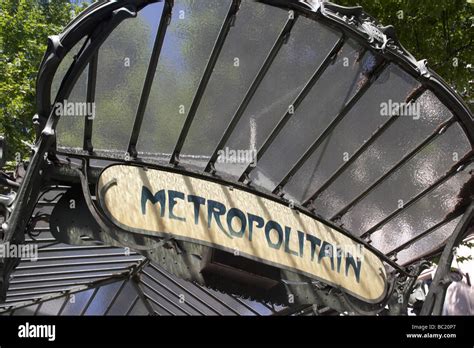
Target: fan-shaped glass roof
[338, 118]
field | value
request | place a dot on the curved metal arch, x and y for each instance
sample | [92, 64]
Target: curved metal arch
[59, 45]
[352, 22]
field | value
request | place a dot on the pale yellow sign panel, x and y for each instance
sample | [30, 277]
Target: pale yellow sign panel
[161, 203]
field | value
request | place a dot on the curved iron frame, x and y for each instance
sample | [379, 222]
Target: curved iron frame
[101, 18]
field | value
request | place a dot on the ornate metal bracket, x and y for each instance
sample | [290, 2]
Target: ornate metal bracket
[398, 303]
[435, 298]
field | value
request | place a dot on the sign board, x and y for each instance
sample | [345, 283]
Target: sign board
[155, 202]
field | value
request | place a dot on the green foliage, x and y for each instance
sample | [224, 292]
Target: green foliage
[462, 259]
[24, 28]
[439, 30]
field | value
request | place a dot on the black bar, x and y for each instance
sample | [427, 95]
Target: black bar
[234, 7]
[419, 196]
[424, 234]
[91, 85]
[359, 151]
[299, 99]
[253, 88]
[150, 75]
[452, 331]
[440, 130]
[301, 161]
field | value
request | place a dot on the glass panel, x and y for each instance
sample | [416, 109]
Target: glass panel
[122, 65]
[427, 244]
[256, 29]
[260, 308]
[51, 307]
[124, 300]
[335, 88]
[63, 68]
[70, 128]
[76, 302]
[29, 310]
[139, 309]
[159, 310]
[188, 44]
[439, 203]
[220, 298]
[169, 303]
[102, 299]
[172, 291]
[357, 126]
[415, 176]
[308, 45]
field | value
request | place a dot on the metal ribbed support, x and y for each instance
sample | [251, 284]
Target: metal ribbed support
[297, 102]
[150, 75]
[228, 22]
[440, 130]
[282, 38]
[327, 131]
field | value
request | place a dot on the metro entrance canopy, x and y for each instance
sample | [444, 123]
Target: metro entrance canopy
[290, 152]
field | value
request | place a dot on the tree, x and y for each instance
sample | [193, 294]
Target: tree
[440, 31]
[24, 28]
